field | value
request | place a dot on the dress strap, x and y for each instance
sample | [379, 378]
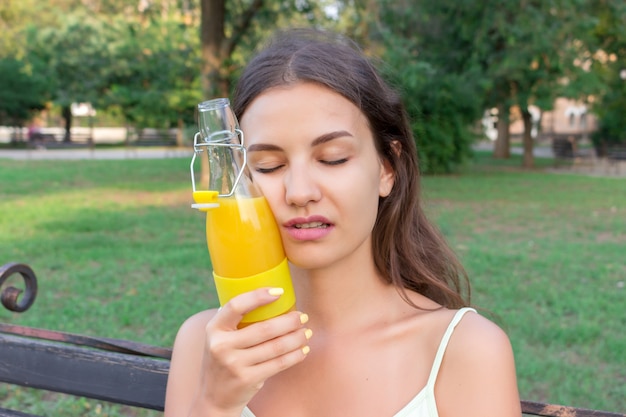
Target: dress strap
[444, 344]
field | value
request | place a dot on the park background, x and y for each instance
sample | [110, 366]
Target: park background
[119, 252]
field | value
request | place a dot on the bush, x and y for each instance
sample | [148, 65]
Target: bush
[611, 121]
[441, 106]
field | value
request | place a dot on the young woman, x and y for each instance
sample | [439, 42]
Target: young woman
[381, 329]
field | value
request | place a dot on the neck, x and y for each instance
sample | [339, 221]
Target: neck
[340, 297]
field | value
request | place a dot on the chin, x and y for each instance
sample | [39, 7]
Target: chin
[312, 262]
[305, 264]
[308, 261]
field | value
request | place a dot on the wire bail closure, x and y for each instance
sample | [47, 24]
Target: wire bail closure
[219, 139]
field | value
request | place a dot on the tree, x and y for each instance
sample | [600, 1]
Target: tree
[443, 100]
[22, 91]
[154, 74]
[231, 30]
[609, 64]
[442, 108]
[535, 62]
[77, 58]
[514, 52]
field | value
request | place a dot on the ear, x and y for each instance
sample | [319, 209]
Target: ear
[387, 174]
[396, 147]
[387, 178]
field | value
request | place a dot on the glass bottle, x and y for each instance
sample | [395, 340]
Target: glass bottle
[242, 235]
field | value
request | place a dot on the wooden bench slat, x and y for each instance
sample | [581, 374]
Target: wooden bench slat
[109, 376]
[131, 379]
[4, 412]
[553, 410]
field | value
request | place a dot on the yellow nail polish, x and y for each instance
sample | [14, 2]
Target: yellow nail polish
[308, 333]
[304, 318]
[306, 350]
[276, 291]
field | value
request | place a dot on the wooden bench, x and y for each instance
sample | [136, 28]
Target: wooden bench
[616, 156]
[54, 139]
[113, 370]
[566, 149]
[153, 137]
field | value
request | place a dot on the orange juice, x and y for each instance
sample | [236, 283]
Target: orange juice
[247, 253]
[243, 237]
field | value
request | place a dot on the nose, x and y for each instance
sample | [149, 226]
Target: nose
[301, 186]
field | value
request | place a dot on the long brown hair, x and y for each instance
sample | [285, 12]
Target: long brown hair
[409, 251]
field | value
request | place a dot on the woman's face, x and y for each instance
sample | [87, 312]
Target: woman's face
[312, 154]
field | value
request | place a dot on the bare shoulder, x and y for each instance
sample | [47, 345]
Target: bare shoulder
[186, 355]
[196, 322]
[190, 338]
[478, 343]
[478, 337]
[478, 371]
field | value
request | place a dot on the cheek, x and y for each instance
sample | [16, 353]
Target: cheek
[260, 181]
[364, 191]
[271, 189]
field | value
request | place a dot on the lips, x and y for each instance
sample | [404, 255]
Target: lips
[310, 228]
[310, 225]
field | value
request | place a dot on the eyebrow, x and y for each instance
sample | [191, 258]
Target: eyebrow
[326, 137]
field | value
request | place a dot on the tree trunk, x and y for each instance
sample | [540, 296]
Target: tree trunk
[179, 133]
[502, 147]
[528, 161]
[90, 139]
[213, 37]
[216, 49]
[66, 113]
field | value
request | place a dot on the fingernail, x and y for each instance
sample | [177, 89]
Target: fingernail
[276, 291]
[308, 333]
[306, 350]
[304, 318]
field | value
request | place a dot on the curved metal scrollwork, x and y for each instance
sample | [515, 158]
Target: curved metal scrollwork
[10, 296]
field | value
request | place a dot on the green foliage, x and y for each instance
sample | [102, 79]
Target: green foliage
[610, 65]
[612, 123]
[272, 16]
[154, 73]
[450, 59]
[441, 103]
[76, 54]
[143, 65]
[440, 107]
[506, 53]
[520, 63]
[22, 91]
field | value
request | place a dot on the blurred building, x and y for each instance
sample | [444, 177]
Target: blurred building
[568, 118]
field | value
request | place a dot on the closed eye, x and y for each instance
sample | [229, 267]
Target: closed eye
[335, 162]
[267, 170]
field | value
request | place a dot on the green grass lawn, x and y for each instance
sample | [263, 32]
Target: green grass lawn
[119, 253]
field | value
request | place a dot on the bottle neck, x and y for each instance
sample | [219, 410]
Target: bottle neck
[228, 174]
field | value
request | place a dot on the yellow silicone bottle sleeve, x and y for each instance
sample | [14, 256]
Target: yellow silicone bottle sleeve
[277, 277]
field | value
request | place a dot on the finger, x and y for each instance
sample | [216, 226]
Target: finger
[260, 332]
[231, 314]
[269, 368]
[280, 346]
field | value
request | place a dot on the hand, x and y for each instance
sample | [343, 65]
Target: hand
[237, 362]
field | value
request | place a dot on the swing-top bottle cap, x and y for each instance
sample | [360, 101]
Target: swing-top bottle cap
[221, 142]
[205, 200]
